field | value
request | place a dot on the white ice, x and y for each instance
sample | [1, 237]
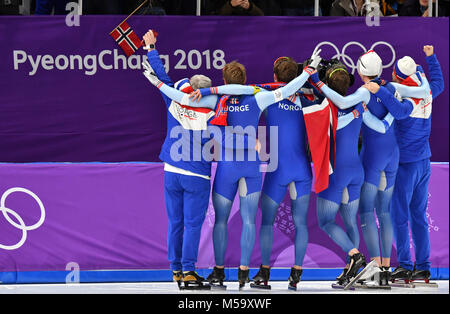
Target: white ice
[305, 287]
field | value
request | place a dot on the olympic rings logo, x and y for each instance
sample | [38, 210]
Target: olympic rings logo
[7, 213]
[348, 61]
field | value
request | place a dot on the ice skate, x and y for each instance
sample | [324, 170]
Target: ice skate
[341, 280]
[401, 278]
[294, 278]
[370, 274]
[379, 280]
[261, 279]
[421, 278]
[356, 262]
[216, 279]
[192, 281]
[177, 277]
[243, 278]
[401, 275]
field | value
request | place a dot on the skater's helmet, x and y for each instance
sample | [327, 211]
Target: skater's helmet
[370, 64]
[404, 68]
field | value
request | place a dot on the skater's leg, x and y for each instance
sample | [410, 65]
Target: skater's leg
[386, 230]
[249, 207]
[299, 215]
[173, 196]
[401, 199]
[222, 209]
[348, 213]
[368, 224]
[326, 215]
[383, 206]
[196, 201]
[269, 210]
[249, 194]
[419, 222]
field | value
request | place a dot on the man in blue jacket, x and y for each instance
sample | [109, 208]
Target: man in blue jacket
[186, 178]
[410, 198]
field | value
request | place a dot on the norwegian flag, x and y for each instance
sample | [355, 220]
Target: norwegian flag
[126, 38]
[321, 126]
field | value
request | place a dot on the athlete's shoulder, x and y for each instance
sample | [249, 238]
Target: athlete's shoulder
[389, 86]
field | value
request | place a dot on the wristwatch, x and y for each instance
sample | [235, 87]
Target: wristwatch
[148, 47]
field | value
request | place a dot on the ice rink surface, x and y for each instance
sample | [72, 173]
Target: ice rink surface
[278, 287]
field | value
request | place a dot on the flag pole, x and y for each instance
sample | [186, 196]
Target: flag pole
[130, 14]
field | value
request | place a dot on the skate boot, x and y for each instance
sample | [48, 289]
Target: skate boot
[421, 278]
[261, 279]
[192, 281]
[380, 280]
[216, 278]
[356, 262]
[385, 276]
[402, 275]
[294, 278]
[371, 275]
[177, 276]
[341, 280]
[342, 277]
[420, 275]
[243, 278]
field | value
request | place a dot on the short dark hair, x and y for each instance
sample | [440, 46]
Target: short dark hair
[338, 81]
[285, 69]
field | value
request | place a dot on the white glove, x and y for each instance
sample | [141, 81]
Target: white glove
[315, 59]
[147, 66]
[150, 74]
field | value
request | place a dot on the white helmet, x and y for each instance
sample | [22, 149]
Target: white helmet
[370, 64]
[405, 67]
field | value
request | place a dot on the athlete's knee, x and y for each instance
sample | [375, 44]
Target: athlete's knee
[324, 222]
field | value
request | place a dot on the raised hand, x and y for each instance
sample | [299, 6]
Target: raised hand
[315, 59]
[149, 38]
[429, 50]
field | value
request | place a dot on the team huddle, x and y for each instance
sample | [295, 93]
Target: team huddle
[315, 120]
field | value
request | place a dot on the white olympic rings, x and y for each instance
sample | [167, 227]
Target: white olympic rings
[348, 61]
[21, 224]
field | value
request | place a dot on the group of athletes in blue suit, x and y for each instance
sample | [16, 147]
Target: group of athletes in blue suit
[384, 112]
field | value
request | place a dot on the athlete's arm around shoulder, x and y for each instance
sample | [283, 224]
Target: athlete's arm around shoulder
[342, 102]
[399, 108]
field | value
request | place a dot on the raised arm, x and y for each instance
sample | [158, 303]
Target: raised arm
[155, 60]
[342, 102]
[436, 78]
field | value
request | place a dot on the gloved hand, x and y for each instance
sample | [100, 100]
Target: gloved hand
[150, 74]
[315, 59]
